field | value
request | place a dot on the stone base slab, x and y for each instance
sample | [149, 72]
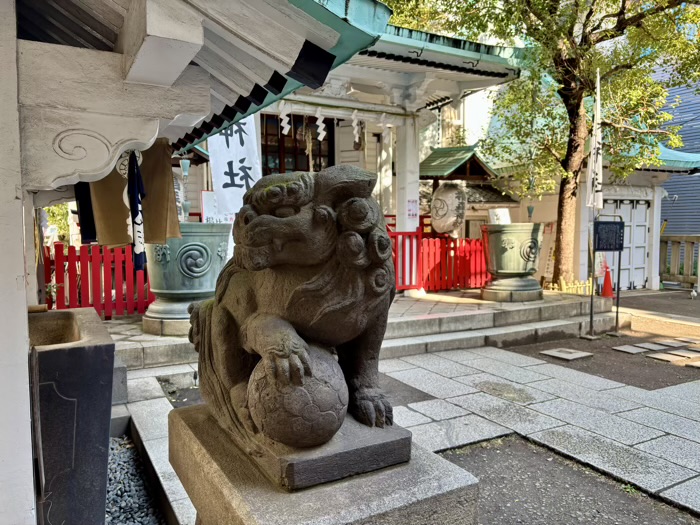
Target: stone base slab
[511, 296]
[176, 327]
[355, 449]
[512, 290]
[227, 488]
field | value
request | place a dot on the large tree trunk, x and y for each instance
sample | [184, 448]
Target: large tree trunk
[568, 190]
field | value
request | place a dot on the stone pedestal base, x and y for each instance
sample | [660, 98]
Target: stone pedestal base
[355, 449]
[154, 326]
[227, 488]
[512, 290]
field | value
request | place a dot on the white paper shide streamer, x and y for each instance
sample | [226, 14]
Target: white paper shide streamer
[321, 126]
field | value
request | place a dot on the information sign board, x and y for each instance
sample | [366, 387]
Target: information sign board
[608, 236]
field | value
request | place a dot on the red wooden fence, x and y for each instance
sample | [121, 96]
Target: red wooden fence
[450, 264]
[437, 264]
[97, 277]
[406, 252]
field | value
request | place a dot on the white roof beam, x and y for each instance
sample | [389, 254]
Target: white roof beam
[299, 21]
[158, 40]
[266, 39]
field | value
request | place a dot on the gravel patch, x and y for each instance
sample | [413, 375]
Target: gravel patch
[128, 499]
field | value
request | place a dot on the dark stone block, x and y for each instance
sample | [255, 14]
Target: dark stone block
[72, 375]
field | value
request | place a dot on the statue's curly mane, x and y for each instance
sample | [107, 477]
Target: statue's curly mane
[360, 267]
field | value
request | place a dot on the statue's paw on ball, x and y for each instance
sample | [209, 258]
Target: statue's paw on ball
[305, 415]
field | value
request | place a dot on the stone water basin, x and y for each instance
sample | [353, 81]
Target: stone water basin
[72, 361]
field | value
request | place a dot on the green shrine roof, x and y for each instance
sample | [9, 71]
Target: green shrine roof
[443, 161]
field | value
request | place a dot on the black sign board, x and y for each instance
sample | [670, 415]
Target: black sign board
[608, 236]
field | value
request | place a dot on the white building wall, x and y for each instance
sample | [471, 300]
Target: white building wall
[16, 472]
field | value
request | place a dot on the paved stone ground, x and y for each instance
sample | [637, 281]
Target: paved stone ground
[674, 302]
[632, 369]
[650, 439]
[647, 438]
[520, 482]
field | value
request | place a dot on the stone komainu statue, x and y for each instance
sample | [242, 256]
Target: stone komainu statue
[311, 277]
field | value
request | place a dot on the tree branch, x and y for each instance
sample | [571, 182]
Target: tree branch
[554, 154]
[636, 20]
[620, 14]
[621, 67]
[635, 130]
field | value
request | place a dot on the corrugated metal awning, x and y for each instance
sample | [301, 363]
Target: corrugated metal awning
[246, 80]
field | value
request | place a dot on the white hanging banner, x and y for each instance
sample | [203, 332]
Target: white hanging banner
[235, 167]
[594, 174]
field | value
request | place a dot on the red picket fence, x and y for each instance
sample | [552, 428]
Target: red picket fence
[449, 264]
[97, 277]
[406, 252]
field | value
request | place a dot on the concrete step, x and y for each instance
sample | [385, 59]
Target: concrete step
[424, 325]
[501, 336]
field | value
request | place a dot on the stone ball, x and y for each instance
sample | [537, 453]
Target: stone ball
[300, 416]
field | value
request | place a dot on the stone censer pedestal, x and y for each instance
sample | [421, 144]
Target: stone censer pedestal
[183, 271]
[296, 429]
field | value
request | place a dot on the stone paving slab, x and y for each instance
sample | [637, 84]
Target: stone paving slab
[506, 371]
[519, 418]
[460, 356]
[157, 450]
[185, 513]
[629, 464]
[458, 432]
[161, 371]
[671, 343]
[592, 398]
[408, 418]
[689, 340]
[686, 391]
[686, 494]
[454, 340]
[684, 353]
[511, 358]
[431, 383]
[662, 356]
[143, 388]
[651, 346]
[393, 365]
[438, 409]
[439, 365]
[576, 377]
[151, 417]
[674, 449]
[504, 389]
[630, 349]
[660, 401]
[402, 346]
[566, 354]
[676, 425]
[597, 421]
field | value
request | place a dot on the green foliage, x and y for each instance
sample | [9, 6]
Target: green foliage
[544, 116]
[58, 216]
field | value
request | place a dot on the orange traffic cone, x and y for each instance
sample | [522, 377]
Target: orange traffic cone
[607, 284]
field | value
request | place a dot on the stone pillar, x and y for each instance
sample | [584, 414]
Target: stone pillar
[386, 158]
[17, 503]
[407, 174]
